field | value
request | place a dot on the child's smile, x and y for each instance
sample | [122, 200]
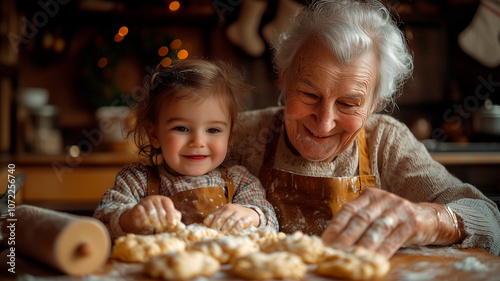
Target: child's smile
[193, 135]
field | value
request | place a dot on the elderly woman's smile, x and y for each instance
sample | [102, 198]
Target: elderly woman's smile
[327, 103]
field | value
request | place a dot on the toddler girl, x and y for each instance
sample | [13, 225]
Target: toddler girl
[184, 123]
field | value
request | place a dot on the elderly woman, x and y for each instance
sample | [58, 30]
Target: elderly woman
[333, 167]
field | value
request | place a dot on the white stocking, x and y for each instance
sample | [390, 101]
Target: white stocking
[244, 32]
[481, 39]
[285, 11]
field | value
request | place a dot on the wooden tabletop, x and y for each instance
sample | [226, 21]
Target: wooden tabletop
[408, 264]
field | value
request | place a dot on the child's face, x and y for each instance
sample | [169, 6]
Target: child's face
[193, 135]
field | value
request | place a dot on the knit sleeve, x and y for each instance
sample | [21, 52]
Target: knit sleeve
[130, 187]
[250, 193]
[407, 169]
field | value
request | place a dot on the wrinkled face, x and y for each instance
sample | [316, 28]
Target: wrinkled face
[193, 135]
[327, 103]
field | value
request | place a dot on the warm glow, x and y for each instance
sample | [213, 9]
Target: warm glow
[118, 38]
[59, 45]
[174, 6]
[166, 62]
[102, 62]
[123, 31]
[163, 51]
[74, 151]
[183, 54]
[175, 44]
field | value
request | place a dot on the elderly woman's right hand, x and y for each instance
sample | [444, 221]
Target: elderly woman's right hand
[382, 222]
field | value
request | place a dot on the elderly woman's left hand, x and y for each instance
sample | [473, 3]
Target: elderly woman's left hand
[382, 222]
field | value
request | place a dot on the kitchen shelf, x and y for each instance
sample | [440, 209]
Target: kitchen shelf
[467, 158]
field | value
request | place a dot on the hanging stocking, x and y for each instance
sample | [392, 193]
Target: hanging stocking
[244, 32]
[481, 39]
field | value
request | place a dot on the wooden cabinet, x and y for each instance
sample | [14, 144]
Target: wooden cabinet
[64, 183]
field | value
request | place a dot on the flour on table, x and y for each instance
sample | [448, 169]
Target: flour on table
[470, 264]
[446, 251]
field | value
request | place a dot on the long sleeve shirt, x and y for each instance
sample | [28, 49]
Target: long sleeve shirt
[131, 185]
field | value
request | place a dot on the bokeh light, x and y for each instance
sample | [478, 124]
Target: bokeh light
[182, 54]
[175, 44]
[118, 38]
[102, 62]
[174, 6]
[74, 151]
[123, 31]
[163, 51]
[166, 62]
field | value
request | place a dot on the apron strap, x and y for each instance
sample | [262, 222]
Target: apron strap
[365, 168]
[272, 143]
[229, 184]
[153, 181]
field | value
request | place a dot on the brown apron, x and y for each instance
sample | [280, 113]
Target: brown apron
[308, 203]
[195, 204]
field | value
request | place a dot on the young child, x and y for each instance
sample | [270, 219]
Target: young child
[184, 123]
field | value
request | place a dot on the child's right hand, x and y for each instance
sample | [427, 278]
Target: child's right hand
[156, 211]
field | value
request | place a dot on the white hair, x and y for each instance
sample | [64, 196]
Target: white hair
[351, 29]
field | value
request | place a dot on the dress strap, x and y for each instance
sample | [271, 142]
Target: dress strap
[365, 168]
[229, 184]
[153, 181]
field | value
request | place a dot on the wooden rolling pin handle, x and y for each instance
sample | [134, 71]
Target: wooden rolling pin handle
[84, 250]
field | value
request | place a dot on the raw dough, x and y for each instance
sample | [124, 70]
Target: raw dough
[226, 248]
[197, 231]
[170, 227]
[260, 235]
[140, 248]
[309, 248]
[182, 265]
[261, 266]
[359, 264]
[252, 254]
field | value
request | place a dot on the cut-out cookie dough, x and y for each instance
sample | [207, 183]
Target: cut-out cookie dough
[261, 266]
[359, 264]
[181, 265]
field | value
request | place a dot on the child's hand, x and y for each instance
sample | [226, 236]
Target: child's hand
[232, 218]
[155, 211]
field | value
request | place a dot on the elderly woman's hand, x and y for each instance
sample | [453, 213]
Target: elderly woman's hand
[381, 221]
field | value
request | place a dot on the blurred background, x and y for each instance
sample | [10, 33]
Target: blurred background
[70, 70]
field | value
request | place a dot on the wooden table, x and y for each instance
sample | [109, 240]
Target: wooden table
[408, 264]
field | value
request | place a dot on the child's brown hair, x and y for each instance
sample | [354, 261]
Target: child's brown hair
[186, 79]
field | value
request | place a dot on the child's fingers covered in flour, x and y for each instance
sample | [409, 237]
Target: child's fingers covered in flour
[231, 218]
[155, 212]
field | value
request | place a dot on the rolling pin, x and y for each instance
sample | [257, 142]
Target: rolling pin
[75, 245]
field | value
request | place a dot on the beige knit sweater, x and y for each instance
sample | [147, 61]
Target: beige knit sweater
[401, 163]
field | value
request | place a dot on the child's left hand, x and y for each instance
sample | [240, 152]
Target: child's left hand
[232, 218]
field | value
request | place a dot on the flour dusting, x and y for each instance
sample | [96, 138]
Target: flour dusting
[432, 251]
[470, 264]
